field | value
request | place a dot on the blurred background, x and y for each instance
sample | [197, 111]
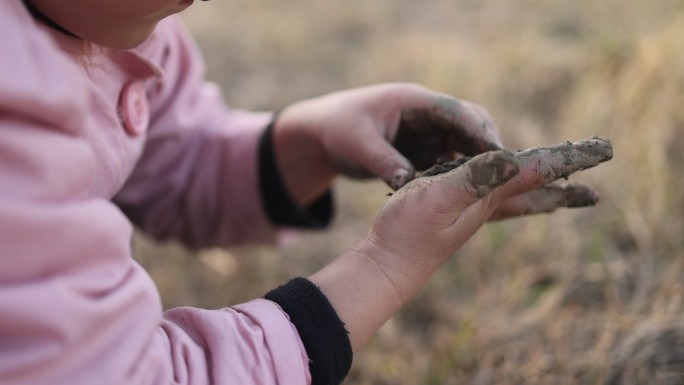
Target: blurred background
[590, 296]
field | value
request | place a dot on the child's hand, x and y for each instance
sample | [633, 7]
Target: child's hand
[430, 218]
[387, 131]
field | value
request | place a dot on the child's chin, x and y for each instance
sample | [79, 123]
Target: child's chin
[125, 40]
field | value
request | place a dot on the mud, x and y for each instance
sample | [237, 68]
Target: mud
[446, 166]
[570, 195]
[561, 159]
[493, 171]
[566, 158]
[579, 196]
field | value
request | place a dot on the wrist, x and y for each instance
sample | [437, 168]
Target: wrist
[367, 285]
[301, 156]
[404, 272]
[362, 296]
[278, 203]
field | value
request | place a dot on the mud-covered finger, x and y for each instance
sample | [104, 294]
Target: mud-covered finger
[465, 185]
[561, 160]
[441, 198]
[491, 138]
[545, 200]
[542, 165]
[469, 128]
[474, 131]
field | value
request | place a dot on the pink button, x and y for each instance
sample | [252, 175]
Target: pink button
[133, 108]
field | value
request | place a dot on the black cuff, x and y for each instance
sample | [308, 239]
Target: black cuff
[280, 207]
[321, 330]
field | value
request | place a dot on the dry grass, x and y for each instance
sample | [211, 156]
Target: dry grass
[578, 297]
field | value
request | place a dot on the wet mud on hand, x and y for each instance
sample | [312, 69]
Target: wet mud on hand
[562, 159]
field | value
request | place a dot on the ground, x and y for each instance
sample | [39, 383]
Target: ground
[583, 296]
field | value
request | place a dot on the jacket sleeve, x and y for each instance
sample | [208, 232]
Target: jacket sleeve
[75, 308]
[197, 180]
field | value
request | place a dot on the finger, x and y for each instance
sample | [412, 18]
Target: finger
[373, 154]
[459, 188]
[488, 171]
[545, 200]
[492, 127]
[543, 165]
[458, 125]
[473, 129]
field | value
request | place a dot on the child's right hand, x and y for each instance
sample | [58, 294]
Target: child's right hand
[426, 221]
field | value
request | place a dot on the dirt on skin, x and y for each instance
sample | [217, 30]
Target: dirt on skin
[574, 157]
[567, 158]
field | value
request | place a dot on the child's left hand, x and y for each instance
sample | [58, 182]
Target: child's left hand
[387, 131]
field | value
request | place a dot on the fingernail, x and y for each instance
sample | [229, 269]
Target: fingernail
[579, 196]
[491, 170]
[494, 146]
[400, 178]
[605, 148]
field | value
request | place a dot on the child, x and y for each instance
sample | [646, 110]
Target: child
[105, 121]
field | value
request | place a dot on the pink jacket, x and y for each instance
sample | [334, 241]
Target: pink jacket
[80, 126]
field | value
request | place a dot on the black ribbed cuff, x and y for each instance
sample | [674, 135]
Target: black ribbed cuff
[280, 207]
[322, 332]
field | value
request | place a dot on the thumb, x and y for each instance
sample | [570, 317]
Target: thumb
[451, 192]
[477, 178]
[430, 207]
